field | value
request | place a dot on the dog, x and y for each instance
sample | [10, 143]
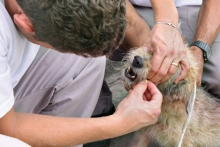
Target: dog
[203, 129]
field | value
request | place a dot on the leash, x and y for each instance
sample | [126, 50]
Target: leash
[189, 109]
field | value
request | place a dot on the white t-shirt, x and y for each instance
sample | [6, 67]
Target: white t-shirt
[16, 55]
[179, 3]
[7, 141]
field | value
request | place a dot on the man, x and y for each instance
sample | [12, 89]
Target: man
[51, 83]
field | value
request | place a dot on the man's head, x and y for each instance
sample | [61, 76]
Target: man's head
[93, 27]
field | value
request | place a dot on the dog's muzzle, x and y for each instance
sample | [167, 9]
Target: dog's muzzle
[130, 72]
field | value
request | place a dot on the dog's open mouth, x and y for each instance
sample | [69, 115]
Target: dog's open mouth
[130, 74]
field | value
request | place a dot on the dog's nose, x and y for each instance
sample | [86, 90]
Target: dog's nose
[137, 62]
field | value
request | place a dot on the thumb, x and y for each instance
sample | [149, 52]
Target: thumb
[140, 88]
[155, 93]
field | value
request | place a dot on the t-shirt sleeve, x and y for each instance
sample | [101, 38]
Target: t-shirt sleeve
[11, 142]
[6, 90]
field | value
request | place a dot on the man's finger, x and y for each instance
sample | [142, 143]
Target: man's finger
[140, 88]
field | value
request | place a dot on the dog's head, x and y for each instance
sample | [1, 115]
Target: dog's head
[137, 67]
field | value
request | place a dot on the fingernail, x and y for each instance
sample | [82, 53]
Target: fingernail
[144, 81]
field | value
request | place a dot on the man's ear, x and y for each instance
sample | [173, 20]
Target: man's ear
[23, 23]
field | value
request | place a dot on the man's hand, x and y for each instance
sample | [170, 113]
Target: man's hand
[168, 47]
[198, 55]
[141, 107]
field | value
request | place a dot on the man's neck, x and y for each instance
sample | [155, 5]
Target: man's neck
[12, 7]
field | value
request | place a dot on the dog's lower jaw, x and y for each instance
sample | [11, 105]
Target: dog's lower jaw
[128, 83]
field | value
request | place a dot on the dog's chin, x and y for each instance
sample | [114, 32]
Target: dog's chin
[128, 84]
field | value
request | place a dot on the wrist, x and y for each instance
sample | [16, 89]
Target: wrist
[170, 19]
[205, 48]
[123, 125]
[167, 23]
[116, 126]
[196, 50]
[164, 14]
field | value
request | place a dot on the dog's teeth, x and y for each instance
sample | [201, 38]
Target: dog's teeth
[129, 73]
[129, 68]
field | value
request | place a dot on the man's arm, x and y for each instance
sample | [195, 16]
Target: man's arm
[208, 25]
[137, 29]
[207, 29]
[40, 130]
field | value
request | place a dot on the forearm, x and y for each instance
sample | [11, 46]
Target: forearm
[41, 130]
[64, 131]
[137, 29]
[208, 25]
[165, 11]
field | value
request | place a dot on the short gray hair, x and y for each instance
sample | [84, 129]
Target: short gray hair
[93, 27]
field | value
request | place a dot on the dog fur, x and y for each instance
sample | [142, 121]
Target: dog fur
[204, 127]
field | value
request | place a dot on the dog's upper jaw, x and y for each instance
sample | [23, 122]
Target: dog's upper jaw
[133, 75]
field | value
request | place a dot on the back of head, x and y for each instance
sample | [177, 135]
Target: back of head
[83, 27]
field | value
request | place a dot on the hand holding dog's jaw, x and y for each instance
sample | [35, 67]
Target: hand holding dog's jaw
[168, 47]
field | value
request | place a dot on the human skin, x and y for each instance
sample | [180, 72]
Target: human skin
[137, 29]
[132, 113]
[207, 29]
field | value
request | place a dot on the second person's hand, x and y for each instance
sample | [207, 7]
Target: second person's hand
[168, 47]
